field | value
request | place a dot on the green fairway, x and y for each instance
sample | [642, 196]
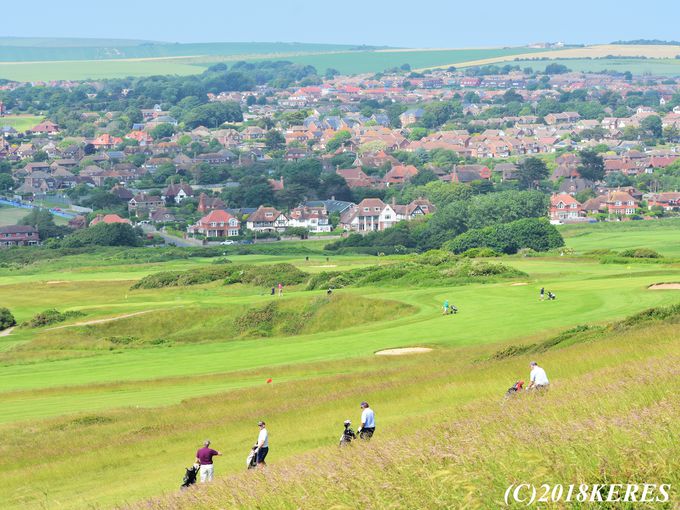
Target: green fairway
[20, 122]
[662, 236]
[154, 384]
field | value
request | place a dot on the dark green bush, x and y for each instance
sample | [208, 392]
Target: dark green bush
[7, 320]
[535, 233]
[51, 316]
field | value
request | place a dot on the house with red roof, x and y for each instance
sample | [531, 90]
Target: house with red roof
[399, 175]
[18, 235]
[670, 201]
[564, 207]
[355, 177]
[46, 127]
[217, 223]
[621, 203]
[142, 137]
[108, 219]
[106, 141]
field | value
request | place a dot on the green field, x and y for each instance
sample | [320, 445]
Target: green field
[653, 66]
[11, 216]
[127, 401]
[349, 62]
[375, 61]
[20, 122]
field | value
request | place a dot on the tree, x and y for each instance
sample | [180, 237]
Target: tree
[535, 233]
[338, 140]
[592, 165]
[6, 182]
[7, 320]
[163, 131]
[556, 69]
[531, 171]
[423, 177]
[334, 185]
[417, 133]
[40, 156]
[104, 234]
[274, 140]
[43, 221]
[652, 125]
[212, 115]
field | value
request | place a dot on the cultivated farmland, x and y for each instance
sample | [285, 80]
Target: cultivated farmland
[101, 395]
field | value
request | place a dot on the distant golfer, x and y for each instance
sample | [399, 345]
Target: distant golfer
[204, 457]
[367, 427]
[262, 445]
[542, 293]
[280, 289]
[446, 306]
[538, 377]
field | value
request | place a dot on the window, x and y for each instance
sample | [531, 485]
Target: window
[268, 215]
[366, 209]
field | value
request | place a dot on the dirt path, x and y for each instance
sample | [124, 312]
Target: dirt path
[100, 321]
[6, 332]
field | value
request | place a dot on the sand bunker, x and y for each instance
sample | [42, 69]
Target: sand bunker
[665, 286]
[518, 284]
[402, 351]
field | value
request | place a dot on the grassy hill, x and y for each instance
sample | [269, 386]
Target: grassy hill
[155, 384]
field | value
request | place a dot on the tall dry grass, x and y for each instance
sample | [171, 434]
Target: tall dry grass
[611, 416]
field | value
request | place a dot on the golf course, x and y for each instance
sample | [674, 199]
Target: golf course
[151, 352]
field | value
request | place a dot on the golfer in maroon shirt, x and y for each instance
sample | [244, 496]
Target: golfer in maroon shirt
[204, 457]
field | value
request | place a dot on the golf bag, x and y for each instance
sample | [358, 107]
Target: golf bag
[190, 476]
[514, 389]
[551, 296]
[347, 436]
[251, 460]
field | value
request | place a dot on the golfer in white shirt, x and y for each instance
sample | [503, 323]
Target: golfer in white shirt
[367, 427]
[262, 445]
[539, 380]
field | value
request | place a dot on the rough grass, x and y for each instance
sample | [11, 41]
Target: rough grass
[445, 435]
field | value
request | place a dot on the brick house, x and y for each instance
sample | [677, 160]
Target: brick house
[177, 192]
[108, 219]
[18, 235]
[142, 203]
[563, 207]
[217, 223]
[621, 203]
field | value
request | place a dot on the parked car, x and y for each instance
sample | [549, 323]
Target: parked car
[247, 241]
[228, 242]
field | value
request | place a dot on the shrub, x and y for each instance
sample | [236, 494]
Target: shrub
[641, 253]
[51, 316]
[183, 278]
[474, 253]
[102, 234]
[7, 320]
[535, 233]
[267, 275]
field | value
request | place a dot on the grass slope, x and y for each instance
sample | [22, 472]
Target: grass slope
[157, 402]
